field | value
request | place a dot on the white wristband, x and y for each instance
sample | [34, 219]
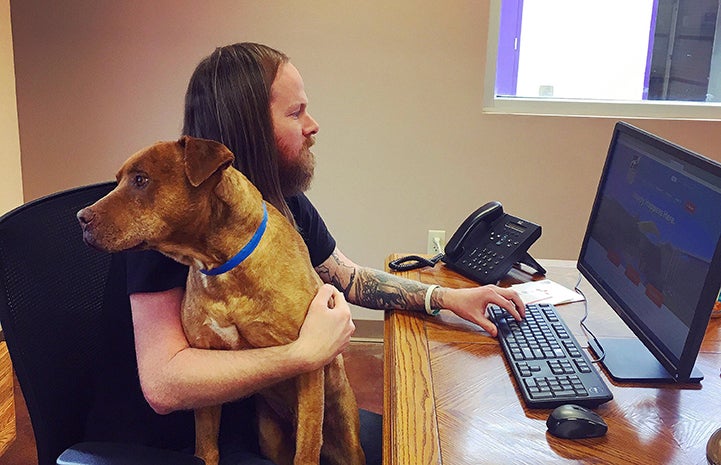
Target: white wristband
[429, 292]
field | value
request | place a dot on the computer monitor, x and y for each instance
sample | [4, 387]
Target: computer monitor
[652, 251]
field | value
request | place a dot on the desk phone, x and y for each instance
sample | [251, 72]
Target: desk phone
[489, 242]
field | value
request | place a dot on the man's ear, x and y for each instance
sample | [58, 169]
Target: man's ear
[203, 158]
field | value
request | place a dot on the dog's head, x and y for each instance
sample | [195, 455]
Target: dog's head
[161, 196]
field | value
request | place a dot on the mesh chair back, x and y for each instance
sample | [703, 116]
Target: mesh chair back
[52, 288]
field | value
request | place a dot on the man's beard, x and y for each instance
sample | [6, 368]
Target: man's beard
[296, 174]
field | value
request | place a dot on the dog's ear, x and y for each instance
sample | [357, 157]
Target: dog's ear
[203, 158]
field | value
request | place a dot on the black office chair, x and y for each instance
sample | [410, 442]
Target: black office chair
[56, 295]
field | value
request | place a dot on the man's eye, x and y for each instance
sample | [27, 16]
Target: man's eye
[298, 111]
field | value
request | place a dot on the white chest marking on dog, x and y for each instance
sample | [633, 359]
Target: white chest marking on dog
[229, 334]
[203, 279]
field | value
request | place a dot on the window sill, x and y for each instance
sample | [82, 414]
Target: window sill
[589, 108]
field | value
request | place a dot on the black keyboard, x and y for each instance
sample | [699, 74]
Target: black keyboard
[549, 365]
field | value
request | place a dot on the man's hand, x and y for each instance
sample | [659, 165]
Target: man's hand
[327, 328]
[470, 304]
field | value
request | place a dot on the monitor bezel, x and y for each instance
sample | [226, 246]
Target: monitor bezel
[681, 370]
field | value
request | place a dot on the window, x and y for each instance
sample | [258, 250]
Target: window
[624, 58]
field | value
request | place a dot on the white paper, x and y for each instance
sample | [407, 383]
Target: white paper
[546, 291]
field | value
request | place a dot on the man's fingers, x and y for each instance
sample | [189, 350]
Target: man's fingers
[326, 293]
[511, 308]
[487, 325]
[512, 303]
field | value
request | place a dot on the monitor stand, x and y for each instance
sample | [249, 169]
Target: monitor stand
[628, 360]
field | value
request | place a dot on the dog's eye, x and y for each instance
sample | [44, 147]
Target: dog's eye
[140, 180]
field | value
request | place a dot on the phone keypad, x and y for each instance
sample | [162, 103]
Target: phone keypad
[508, 238]
[482, 260]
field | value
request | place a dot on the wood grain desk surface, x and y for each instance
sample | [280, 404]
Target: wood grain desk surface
[450, 399]
[7, 403]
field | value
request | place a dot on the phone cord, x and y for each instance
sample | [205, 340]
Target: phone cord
[412, 262]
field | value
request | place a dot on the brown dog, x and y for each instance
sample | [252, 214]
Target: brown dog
[185, 200]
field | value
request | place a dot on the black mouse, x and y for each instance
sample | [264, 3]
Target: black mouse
[575, 422]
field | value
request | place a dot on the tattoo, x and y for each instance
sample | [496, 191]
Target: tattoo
[384, 291]
[337, 278]
[437, 298]
[376, 289]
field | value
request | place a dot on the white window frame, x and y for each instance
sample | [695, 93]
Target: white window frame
[648, 109]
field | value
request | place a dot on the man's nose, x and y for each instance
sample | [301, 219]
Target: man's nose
[311, 126]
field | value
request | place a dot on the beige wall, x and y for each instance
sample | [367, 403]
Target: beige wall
[11, 193]
[396, 87]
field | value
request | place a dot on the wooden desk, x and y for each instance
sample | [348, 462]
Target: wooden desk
[450, 399]
[7, 403]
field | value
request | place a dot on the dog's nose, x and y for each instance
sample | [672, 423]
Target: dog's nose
[85, 216]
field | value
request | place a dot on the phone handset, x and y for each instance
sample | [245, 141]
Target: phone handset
[487, 213]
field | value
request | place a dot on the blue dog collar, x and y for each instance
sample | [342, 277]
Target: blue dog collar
[245, 251]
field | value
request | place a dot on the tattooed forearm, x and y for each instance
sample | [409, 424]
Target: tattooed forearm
[375, 289]
[383, 291]
[342, 276]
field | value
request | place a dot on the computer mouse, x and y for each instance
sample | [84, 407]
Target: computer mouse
[571, 421]
[713, 448]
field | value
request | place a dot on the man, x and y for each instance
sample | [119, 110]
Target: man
[252, 99]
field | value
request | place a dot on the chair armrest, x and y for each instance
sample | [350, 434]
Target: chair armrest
[113, 453]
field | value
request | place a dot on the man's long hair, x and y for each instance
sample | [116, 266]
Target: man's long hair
[228, 100]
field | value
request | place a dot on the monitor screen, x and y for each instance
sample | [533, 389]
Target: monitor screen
[651, 250]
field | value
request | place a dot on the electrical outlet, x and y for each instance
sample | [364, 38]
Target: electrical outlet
[436, 241]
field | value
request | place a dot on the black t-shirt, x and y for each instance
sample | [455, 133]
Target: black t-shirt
[120, 412]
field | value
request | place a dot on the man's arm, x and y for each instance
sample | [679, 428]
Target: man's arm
[175, 376]
[383, 291]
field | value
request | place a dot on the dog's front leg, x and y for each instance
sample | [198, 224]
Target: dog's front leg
[309, 421]
[341, 428]
[275, 433]
[207, 430]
